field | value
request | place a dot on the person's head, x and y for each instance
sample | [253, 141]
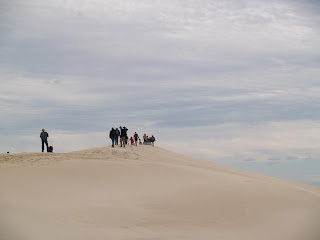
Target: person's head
[120, 127]
[112, 128]
[116, 128]
[43, 130]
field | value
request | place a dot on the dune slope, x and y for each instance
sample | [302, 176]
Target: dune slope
[147, 192]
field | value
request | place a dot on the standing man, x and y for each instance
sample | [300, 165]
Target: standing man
[118, 134]
[44, 138]
[136, 136]
[152, 140]
[123, 135]
[113, 136]
[144, 138]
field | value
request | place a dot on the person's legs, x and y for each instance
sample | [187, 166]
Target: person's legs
[122, 141]
[42, 145]
[116, 140]
[46, 142]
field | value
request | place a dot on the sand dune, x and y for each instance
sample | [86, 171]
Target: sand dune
[147, 192]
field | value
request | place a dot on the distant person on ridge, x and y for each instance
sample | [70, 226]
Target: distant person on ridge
[136, 136]
[113, 136]
[44, 138]
[152, 140]
[123, 135]
[118, 134]
[127, 139]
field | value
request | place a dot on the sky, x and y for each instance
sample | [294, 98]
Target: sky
[235, 82]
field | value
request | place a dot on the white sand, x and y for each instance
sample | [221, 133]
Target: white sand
[147, 192]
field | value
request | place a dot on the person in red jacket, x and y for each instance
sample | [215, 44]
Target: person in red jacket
[131, 140]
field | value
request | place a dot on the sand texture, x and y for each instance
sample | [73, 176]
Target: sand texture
[148, 192]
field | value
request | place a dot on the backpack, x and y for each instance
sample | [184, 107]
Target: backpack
[50, 149]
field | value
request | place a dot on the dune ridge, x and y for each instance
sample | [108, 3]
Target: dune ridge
[148, 192]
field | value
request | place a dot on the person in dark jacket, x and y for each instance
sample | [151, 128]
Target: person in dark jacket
[153, 139]
[123, 136]
[113, 136]
[136, 136]
[117, 138]
[44, 138]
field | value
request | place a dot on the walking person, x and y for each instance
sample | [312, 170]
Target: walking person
[153, 139]
[113, 136]
[123, 135]
[136, 136]
[144, 138]
[117, 138]
[44, 138]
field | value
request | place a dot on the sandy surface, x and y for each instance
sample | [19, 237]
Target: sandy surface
[147, 192]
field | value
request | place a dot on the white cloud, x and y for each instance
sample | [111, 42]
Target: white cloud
[239, 142]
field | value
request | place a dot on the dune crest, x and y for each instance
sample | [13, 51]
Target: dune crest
[147, 192]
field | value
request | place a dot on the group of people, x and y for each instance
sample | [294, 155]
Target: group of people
[148, 140]
[115, 134]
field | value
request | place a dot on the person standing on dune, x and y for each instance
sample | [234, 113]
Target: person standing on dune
[44, 138]
[123, 135]
[117, 138]
[144, 138]
[136, 136]
[113, 136]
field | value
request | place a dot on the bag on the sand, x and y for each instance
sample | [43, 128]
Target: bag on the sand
[50, 149]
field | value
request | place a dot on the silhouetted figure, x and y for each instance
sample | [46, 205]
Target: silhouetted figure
[117, 138]
[44, 139]
[152, 140]
[113, 136]
[123, 136]
[136, 136]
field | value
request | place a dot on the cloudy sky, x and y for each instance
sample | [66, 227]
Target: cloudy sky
[236, 82]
